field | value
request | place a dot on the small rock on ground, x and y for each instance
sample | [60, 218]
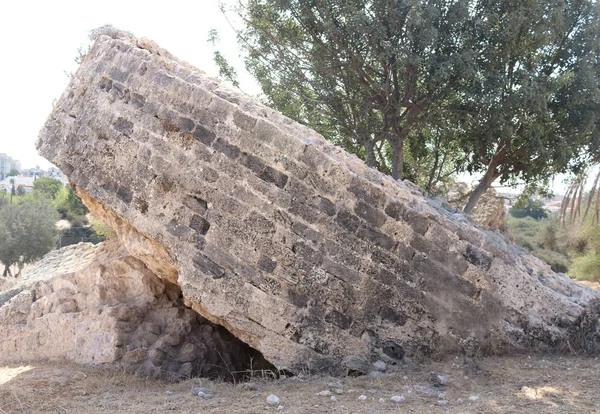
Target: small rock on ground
[380, 366]
[273, 400]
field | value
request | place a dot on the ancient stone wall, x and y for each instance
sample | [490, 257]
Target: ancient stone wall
[98, 305]
[293, 245]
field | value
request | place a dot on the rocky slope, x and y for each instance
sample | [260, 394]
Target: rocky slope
[293, 245]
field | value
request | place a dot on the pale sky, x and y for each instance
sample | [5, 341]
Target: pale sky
[39, 41]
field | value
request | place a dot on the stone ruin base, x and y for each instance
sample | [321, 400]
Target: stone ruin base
[99, 305]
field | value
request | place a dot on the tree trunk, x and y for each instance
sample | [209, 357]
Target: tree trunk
[370, 149]
[482, 187]
[398, 157]
[487, 180]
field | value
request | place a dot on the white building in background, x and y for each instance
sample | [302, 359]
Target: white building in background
[7, 164]
[25, 182]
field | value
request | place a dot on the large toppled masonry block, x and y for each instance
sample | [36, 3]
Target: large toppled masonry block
[293, 245]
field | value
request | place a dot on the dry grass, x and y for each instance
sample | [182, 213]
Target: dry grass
[517, 385]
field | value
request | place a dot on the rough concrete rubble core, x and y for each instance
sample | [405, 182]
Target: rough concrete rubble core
[99, 305]
[293, 245]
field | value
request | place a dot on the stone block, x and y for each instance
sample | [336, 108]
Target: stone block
[252, 214]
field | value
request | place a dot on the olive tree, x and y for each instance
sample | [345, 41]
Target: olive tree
[27, 232]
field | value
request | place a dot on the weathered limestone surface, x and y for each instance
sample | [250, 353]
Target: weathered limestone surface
[293, 245]
[99, 305]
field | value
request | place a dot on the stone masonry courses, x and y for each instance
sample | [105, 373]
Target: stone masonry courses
[290, 243]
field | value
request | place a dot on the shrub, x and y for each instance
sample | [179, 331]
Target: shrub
[586, 267]
[557, 261]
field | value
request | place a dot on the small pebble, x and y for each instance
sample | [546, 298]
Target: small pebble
[200, 391]
[404, 377]
[443, 402]
[273, 400]
[255, 395]
[325, 393]
[375, 374]
[473, 397]
[371, 391]
[280, 407]
[363, 398]
[380, 366]
[339, 391]
[350, 391]
[333, 398]
[440, 380]
[249, 386]
[398, 398]
[381, 401]
[459, 401]
[166, 392]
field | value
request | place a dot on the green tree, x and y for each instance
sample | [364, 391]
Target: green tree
[364, 73]
[13, 172]
[47, 186]
[20, 190]
[27, 231]
[68, 204]
[527, 207]
[532, 106]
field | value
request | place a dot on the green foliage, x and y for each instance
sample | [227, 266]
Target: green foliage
[364, 73]
[586, 267]
[27, 232]
[226, 71]
[100, 228]
[13, 172]
[557, 261]
[525, 231]
[532, 106]
[68, 204]
[48, 187]
[420, 89]
[548, 235]
[528, 208]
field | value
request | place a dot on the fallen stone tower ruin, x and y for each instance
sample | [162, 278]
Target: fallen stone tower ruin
[291, 244]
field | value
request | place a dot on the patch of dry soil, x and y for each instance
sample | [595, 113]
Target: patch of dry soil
[521, 384]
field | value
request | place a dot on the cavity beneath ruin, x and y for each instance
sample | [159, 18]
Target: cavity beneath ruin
[98, 305]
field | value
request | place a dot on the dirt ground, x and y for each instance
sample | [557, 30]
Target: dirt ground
[520, 384]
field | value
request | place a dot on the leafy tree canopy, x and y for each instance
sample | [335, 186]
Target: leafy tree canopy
[27, 231]
[47, 186]
[527, 207]
[13, 172]
[507, 88]
[364, 73]
[532, 106]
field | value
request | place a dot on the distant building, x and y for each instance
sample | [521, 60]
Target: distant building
[7, 164]
[26, 182]
[51, 172]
